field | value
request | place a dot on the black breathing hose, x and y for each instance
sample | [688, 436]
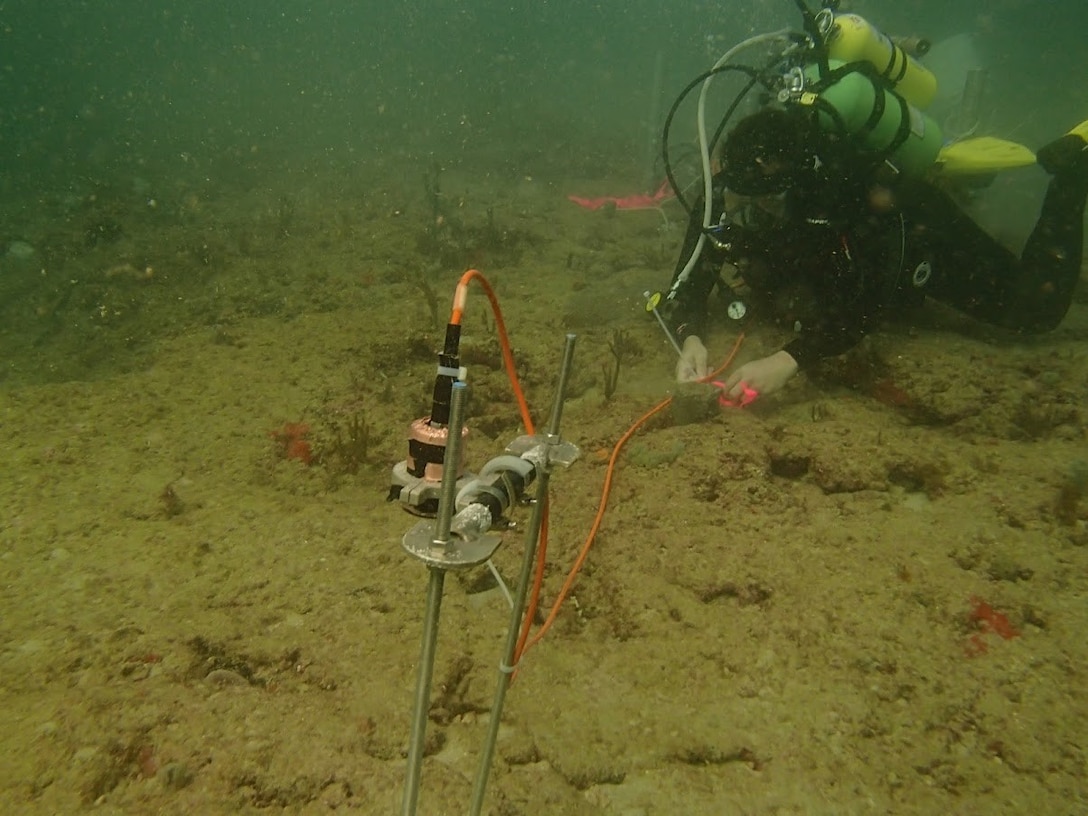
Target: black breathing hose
[753, 78]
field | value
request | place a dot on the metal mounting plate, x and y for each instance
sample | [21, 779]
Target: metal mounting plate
[457, 553]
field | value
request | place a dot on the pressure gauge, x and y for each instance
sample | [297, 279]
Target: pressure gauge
[737, 310]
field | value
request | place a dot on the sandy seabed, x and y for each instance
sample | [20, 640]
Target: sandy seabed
[864, 595]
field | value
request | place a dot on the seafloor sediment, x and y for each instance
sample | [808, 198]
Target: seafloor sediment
[864, 595]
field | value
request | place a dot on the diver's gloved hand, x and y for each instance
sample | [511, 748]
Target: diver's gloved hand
[759, 377]
[692, 363]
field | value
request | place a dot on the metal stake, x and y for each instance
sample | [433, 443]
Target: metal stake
[439, 542]
[506, 668]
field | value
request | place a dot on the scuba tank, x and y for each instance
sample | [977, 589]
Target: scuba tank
[850, 38]
[852, 101]
[871, 107]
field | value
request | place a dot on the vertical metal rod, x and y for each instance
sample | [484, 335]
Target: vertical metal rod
[450, 463]
[506, 668]
[661, 322]
[561, 385]
[423, 690]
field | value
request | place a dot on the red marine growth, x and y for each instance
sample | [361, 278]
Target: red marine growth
[987, 619]
[293, 443]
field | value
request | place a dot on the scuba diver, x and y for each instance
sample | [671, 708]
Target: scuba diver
[831, 206]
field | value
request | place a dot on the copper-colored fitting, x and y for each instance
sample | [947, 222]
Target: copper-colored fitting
[423, 432]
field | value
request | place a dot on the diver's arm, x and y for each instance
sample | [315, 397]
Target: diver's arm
[826, 340]
[846, 318]
[766, 375]
[856, 279]
[687, 314]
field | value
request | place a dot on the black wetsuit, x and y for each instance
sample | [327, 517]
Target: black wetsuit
[833, 263]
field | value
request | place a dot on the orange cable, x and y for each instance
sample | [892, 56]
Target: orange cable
[728, 361]
[602, 506]
[457, 312]
[459, 301]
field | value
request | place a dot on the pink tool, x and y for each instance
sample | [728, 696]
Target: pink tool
[748, 396]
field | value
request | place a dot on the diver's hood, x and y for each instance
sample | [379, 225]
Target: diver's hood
[767, 152]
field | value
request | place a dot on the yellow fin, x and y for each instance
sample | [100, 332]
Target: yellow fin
[1081, 130]
[982, 155]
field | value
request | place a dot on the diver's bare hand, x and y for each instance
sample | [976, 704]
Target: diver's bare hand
[691, 366]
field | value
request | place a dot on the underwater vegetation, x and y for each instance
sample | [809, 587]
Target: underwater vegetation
[622, 348]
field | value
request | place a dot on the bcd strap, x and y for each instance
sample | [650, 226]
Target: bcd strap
[889, 72]
[881, 88]
[876, 114]
[903, 132]
[833, 75]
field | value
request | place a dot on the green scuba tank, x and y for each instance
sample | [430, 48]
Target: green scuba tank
[856, 103]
